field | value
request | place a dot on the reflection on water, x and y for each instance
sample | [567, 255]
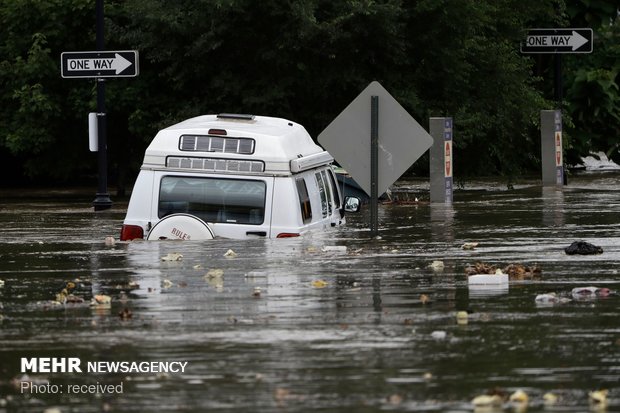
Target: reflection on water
[287, 326]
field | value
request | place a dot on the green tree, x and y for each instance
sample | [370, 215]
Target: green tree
[42, 120]
[593, 97]
[304, 60]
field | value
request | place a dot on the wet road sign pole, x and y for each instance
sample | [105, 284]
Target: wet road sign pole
[441, 160]
[551, 147]
[102, 197]
[374, 165]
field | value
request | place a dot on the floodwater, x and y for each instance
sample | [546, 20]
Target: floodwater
[288, 327]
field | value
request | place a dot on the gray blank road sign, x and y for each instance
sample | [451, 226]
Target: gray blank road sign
[401, 139]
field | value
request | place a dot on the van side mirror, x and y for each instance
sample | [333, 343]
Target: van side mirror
[352, 204]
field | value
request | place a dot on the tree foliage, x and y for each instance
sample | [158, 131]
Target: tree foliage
[593, 95]
[300, 59]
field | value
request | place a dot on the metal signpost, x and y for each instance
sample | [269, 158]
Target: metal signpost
[556, 41]
[441, 160]
[100, 65]
[378, 152]
[551, 147]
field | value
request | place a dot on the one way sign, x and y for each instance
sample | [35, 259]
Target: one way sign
[123, 63]
[557, 41]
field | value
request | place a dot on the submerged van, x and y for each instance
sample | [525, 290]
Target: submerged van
[234, 176]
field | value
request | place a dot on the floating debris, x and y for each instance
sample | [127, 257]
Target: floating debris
[436, 266]
[519, 397]
[173, 256]
[498, 278]
[470, 245]
[480, 268]
[598, 398]
[197, 267]
[1, 283]
[101, 300]
[394, 399]
[256, 292]
[462, 318]
[166, 284]
[73, 299]
[551, 298]
[319, 283]
[550, 399]
[214, 274]
[230, 254]
[583, 248]
[335, 248]
[424, 298]
[62, 296]
[591, 292]
[439, 335]
[109, 241]
[256, 274]
[516, 272]
[125, 314]
[487, 400]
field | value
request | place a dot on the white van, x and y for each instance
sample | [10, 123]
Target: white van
[234, 176]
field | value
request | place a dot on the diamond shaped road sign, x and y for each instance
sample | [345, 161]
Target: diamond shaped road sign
[401, 139]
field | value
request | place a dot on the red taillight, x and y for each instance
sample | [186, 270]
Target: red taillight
[129, 232]
[287, 235]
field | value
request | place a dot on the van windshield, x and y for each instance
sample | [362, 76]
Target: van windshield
[221, 200]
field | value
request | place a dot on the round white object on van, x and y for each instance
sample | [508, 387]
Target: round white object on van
[180, 227]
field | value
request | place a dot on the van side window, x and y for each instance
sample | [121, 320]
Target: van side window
[333, 180]
[231, 201]
[329, 191]
[304, 200]
[322, 193]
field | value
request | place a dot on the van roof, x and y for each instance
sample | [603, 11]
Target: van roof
[232, 138]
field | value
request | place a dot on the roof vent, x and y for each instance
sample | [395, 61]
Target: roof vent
[235, 116]
[201, 143]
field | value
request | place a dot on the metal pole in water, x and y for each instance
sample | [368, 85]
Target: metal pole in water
[374, 165]
[551, 148]
[441, 160]
[102, 197]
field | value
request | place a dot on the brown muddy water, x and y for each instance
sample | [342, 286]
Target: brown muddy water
[288, 327]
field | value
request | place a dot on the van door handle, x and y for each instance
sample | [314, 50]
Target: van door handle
[259, 233]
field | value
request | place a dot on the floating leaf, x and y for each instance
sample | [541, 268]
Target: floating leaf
[230, 254]
[173, 256]
[101, 300]
[319, 283]
[469, 245]
[436, 265]
[214, 274]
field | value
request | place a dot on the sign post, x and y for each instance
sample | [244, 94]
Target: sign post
[400, 141]
[556, 41]
[374, 165]
[102, 197]
[441, 160]
[551, 148]
[100, 65]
